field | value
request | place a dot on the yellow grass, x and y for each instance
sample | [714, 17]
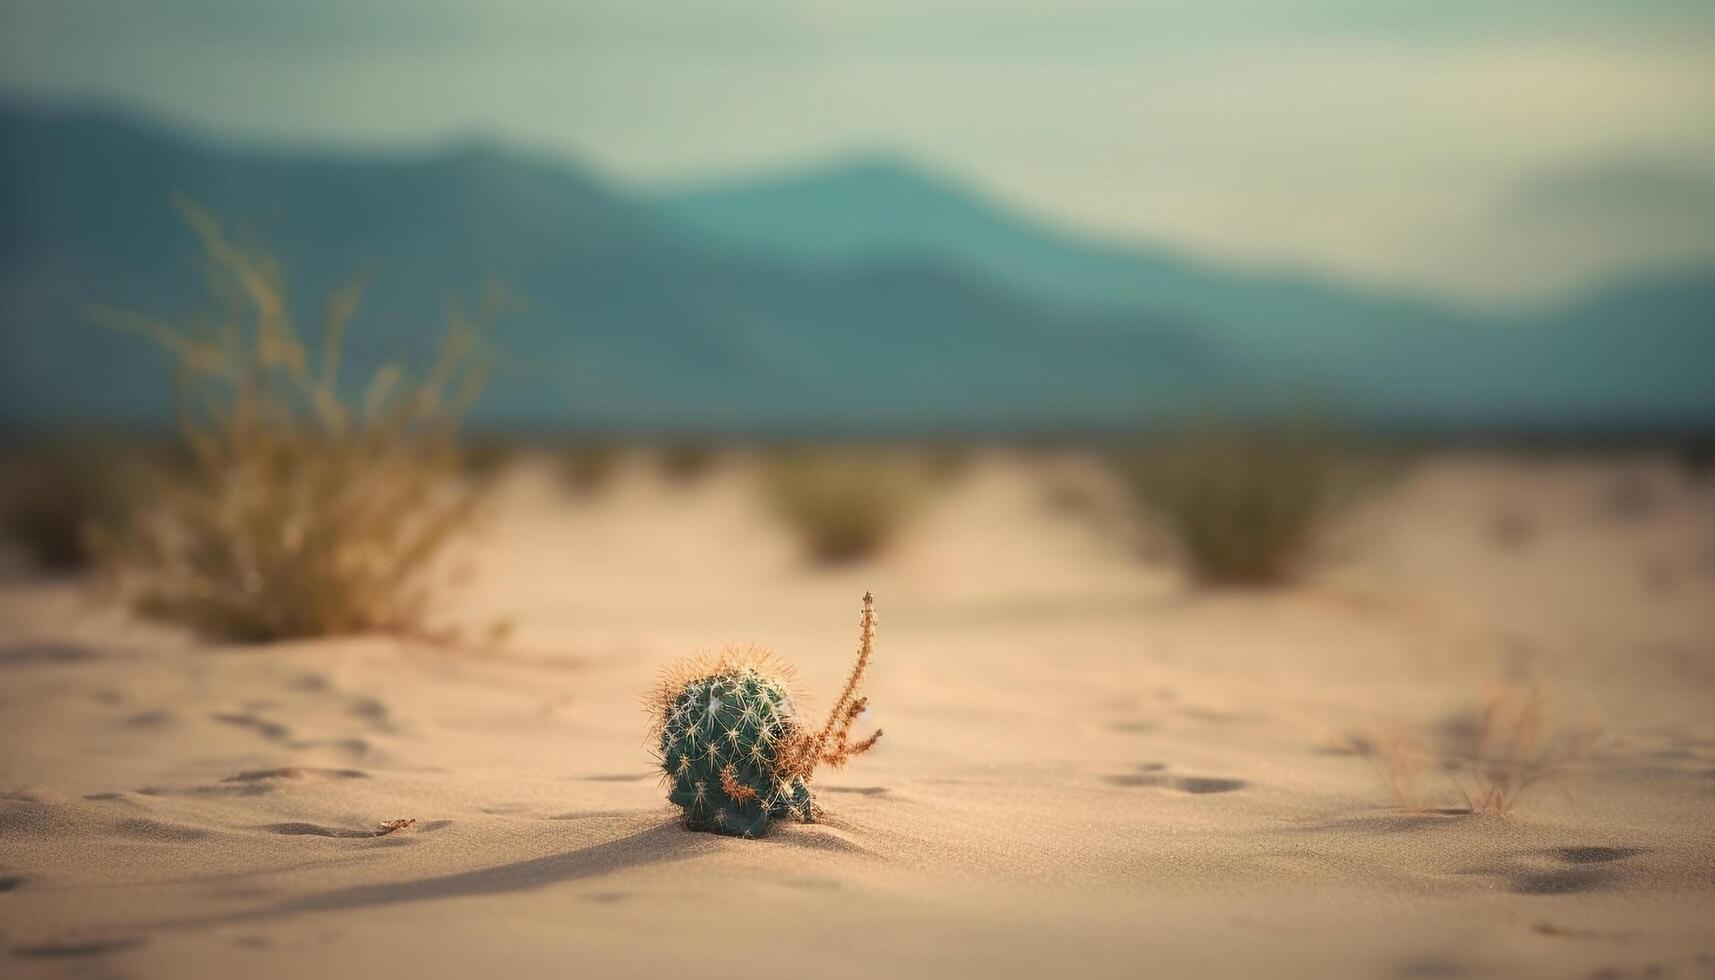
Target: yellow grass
[304, 512]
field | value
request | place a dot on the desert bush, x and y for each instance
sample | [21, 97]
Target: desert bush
[686, 462]
[489, 457]
[586, 466]
[57, 499]
[1243, 506]
[1696, 458]
[844, 504]
[303, 512]
[734, 748]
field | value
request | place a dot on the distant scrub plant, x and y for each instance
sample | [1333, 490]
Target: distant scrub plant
[734, 748]
[685, 461]
[844, 504]
[585, 466]
[303, 512]
[1243, 505]
[57, 499]
[1510, 747]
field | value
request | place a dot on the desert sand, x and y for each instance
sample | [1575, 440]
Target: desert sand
[1090, 768]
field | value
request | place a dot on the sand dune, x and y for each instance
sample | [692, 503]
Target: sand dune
[1089, 769]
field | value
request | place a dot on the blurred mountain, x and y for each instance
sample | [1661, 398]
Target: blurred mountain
[629, 324]
[864, 298]
[1617, 358]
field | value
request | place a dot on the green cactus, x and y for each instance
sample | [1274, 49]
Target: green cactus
[733, 752]
[721, 748]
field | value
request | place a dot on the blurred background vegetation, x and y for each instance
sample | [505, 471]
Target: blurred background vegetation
[1454, 244]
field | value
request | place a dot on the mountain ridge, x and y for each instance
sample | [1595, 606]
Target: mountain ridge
[644, 319]
[632, 326]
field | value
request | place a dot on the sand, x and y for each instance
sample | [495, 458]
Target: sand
[1089, 768]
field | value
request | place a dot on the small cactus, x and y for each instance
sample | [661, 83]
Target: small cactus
[734, 752]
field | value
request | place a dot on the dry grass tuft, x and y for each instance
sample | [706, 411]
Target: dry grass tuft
[1511, 748]
[57, 500]
[832, 743]
[303, 513]
[587, 466]
[1243, 506]
[683, 463]
[1517, 749]
[845, 504]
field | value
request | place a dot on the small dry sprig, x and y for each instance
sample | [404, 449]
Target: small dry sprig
[394, 826]
[1511, 749]
[832, 743]
[1516, 750]
[303, 513]
[1402, 760]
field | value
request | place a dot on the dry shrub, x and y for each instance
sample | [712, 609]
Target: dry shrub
[844, 504]
[302, 513]
[488, 458]
[56, 498]
[683, 463]
[1512, 530]
[1511, 747]
[587, 466]
[1243, 506]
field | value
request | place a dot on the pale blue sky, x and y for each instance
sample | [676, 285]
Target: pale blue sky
[1497, 149]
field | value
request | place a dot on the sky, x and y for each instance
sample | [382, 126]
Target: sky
[1500, 152]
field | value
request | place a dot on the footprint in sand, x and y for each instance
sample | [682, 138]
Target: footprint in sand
[45, 654]
[594, 814]
[91, 947]
[300, 828]
[1153, 774]
[373, 711]
[1586, 868]
[1207, 784]
[1566, 881]
[270, 730]
[158, 830]
[1594, 855]
[251, 782]
[295, 772]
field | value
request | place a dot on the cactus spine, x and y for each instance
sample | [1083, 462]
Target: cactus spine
[733, 749]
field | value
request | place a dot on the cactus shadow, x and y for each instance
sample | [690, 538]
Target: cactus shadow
[663, 843]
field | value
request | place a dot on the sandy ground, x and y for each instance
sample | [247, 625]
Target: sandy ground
[1089, 769]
